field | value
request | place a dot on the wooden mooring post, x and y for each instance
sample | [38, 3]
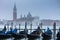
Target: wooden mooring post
[11, 26]
[41, 24]
[8, 26]
[25, 25]
[19, 27]
[31, 27]
[54, 30]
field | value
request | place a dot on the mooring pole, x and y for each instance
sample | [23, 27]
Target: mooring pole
[31, 27]
[8, 26]
[19, 27]
[54, 30]
[41, 24]
[11, 28]
[25, 25]
[11, 25]
[25, 28]
[15, 26]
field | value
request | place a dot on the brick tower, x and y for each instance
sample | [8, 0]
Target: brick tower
[14, 12]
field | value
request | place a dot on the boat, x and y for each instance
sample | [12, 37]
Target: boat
[4, 36]
[11, 31]
[7, 34]
[47, 34]
[35, 34]
[21, 34]
[3, 30]
[2, 33]
[58, 35]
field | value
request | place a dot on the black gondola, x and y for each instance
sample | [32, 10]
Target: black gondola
[35, 34]
[58, 35]
[7, 34]
[3, 30]
[20, 35]
[47, 34]
[2, 33]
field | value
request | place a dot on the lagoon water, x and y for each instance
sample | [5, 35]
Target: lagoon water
[33, 27]
[24, 39]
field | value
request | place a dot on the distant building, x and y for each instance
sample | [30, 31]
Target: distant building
[28, 18]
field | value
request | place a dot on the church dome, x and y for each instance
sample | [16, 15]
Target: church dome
[29, 15]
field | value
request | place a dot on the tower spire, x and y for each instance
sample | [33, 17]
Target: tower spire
[14, 12]
[14, 7]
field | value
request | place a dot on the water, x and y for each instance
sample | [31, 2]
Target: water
[22, 39]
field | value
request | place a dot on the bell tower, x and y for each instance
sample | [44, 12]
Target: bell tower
[14, 12]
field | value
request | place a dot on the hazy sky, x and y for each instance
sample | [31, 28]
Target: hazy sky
[45, 9]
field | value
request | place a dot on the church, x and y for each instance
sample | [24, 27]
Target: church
[29, 18]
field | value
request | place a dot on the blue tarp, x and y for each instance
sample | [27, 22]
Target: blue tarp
[48, 31]
[11, 31]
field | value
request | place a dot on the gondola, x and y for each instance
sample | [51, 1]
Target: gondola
[47, 34]
[7, 34]
[3, 30]
[11, 31]
[2, 33]
[21, 34]
[35, 34]
[58, 35]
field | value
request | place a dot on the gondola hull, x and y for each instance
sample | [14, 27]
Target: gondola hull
[46, 36]
[18, 36]
[35, 34]
[5, 36]
[58, 36]
[32, 36]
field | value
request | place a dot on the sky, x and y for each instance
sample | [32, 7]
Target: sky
[44, 9]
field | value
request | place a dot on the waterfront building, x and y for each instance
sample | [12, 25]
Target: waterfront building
[29, 18]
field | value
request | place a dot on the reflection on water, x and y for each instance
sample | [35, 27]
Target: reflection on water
[31, 39]
[19, 39]
[46, 39]
[26, 39]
